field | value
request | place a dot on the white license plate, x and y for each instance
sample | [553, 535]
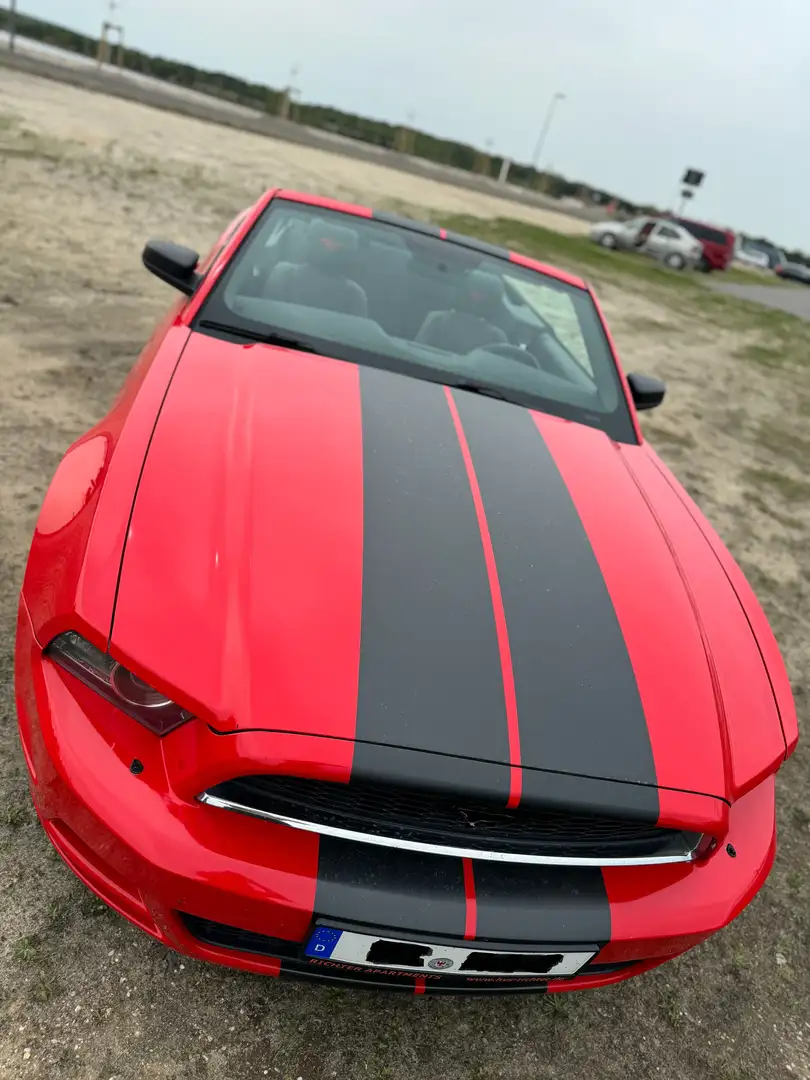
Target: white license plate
[413, 957]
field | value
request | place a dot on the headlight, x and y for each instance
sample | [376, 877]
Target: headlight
[116, 683]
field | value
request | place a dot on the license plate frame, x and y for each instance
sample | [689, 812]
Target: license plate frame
[381, 952]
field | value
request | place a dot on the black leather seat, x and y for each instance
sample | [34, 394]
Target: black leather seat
[323, 279]
[470, 324]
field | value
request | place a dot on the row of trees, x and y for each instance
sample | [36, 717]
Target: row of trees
[271, 100]
[377, 132]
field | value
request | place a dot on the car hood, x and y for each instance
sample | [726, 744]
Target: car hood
[329, 550]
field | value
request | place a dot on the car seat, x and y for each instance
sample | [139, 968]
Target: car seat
[470, 324]
[323, 279]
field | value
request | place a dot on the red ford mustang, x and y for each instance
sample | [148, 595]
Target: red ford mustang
[365, 638]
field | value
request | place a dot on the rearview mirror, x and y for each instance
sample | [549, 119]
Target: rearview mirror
[172, 263]
[647, 391]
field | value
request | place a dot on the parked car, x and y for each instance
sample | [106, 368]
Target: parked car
[718, 244]
[751, 259]
[760, 250]
[368, 639]
[657, 237]
[791, 271]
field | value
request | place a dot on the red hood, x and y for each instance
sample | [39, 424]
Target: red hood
[247, 584]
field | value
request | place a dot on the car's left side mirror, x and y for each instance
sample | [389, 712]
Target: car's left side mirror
[647, 391]
[172, 263]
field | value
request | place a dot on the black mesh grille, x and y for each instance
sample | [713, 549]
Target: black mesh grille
[427, 818]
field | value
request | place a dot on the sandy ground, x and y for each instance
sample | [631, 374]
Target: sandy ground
[83, 180]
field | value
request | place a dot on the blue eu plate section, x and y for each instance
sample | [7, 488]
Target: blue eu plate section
[323, 942]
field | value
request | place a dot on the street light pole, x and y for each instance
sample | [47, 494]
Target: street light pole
[552, 105]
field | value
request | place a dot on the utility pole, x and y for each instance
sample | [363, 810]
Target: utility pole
[12, 23]
[552, 105]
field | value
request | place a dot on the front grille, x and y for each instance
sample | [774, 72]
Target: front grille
[406, 818]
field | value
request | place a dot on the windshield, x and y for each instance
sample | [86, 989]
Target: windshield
[371, 292]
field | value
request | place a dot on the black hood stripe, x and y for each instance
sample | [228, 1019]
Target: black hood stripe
[577, 700]
[430, 668]
[381, 888]
[541, 905]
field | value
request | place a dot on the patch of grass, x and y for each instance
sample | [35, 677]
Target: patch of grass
[43, 990]
[738, 275]
[58, 912]
[795, 881]
[755, 352]
[670, 1006]
[755, 499]
[558, 1006]
[26, 949]
[14, 814]
[91, 906]
[675, 438]
[733, 1070]
[784, 443]
[793, 490]
[643, 324]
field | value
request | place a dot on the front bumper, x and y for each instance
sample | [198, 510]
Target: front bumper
[239, 891]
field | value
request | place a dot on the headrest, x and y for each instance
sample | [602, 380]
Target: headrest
[330, 247]
[481, 294]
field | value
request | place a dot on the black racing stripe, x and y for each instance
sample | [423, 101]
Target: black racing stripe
[579, 708]
[541, 905]
[430, 671]
[389, 889]
[436, 773]
[477, 245]
[423, 227]
[587, 795]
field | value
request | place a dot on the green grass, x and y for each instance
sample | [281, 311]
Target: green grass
[14, 814]
[643, 324]
[793, 490]
[769, 356]
[25, 949]
[738, 276]
[784, 443]
[674, 438]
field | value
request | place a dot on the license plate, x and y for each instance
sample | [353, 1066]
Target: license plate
[413, 957]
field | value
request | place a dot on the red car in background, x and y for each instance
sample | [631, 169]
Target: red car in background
[366, 638]
[718, 244]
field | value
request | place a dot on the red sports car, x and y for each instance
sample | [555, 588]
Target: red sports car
[366, 638]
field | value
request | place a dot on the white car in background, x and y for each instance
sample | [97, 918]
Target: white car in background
[658, 237]
[750, 257]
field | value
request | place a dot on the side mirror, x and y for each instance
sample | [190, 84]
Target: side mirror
[647, 392]
[172, 263]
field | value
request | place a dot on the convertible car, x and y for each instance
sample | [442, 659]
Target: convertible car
[367, 639]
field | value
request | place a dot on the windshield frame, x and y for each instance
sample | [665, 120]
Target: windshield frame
[450, 369]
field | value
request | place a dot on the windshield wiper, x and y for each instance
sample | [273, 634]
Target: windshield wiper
[475, 387]
[264, 337]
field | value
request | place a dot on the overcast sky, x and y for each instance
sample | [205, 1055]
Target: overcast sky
[652, 86]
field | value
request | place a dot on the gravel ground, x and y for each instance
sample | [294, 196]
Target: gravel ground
[84, 180]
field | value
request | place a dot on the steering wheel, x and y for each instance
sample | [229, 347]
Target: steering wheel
[513, 352]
